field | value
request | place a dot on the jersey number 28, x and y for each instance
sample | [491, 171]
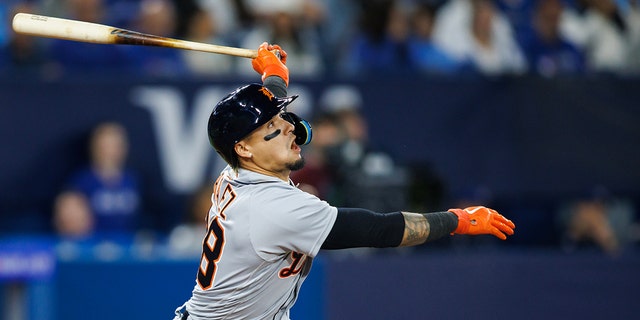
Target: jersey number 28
[211, 252]
[213, 243]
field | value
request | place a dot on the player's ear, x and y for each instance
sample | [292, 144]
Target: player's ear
[242, 150]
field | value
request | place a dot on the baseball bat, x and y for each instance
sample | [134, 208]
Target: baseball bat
[66, 29]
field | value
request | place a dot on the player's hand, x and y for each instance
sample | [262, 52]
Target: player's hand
[279, 52]
[267, 63]
[482, 220]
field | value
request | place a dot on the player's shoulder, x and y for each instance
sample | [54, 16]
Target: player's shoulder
[266, 189]
[274, 190]
[288, 198]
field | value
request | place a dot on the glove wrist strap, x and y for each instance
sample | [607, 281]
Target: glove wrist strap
[463, 221]
[440, 224]
[279, 70]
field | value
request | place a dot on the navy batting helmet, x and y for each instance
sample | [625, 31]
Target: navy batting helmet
[238, 114]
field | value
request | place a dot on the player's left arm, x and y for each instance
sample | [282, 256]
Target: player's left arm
[420, 228]
[365, 228]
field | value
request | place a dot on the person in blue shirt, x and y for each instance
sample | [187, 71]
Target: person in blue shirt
[547, 52]
[380, 44]
[111, 188]
[423, 52]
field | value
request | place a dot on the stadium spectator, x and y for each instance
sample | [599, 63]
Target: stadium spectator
[599, 219]
[111, 188]
[476, 32]
[231, 17]
[605, 32]
[338, 30]
[364, 174]
[380, 45]
[548, 52]
[287, 24]
[80, 57]
[201, 28]
[518, 13]
[157, 17]
[423, 53]
[20, 53]
[72, 216]
[311, 12]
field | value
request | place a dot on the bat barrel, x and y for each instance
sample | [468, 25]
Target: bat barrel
[66, 29]
[51, 27]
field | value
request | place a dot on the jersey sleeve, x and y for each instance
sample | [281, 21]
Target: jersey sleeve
[290, 220]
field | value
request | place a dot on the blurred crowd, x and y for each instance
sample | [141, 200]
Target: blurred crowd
[345, 37]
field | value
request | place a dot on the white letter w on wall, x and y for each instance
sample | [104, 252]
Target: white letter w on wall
[182, 143]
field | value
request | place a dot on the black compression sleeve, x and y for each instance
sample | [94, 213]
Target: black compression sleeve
[276, 85]
[364, 228]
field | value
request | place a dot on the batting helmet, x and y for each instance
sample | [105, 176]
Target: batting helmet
[238, 114]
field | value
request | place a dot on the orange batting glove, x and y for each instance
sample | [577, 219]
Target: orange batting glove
[268, 64]
[482, 220]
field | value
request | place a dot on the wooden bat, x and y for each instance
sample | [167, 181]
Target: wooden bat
[50, 27]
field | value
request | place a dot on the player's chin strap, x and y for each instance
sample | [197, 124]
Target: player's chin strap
[302, 128]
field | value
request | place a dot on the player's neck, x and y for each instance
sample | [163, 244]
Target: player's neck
[282, 175]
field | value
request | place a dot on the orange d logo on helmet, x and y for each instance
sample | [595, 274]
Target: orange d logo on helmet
[267, 93]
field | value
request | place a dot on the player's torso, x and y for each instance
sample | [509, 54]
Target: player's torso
[237, 278]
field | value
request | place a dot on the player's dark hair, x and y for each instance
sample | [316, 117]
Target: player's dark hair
[233, 160]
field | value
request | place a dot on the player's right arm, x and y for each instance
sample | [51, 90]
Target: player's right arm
[364, 228]
[271, 65]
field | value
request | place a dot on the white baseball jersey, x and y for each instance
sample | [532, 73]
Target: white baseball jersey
[263, 234]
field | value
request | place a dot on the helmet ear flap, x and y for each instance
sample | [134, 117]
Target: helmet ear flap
[302, 128]
[303, 132]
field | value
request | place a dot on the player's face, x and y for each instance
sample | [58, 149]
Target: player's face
[272, 148]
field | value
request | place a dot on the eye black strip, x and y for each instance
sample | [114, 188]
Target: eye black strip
[272, 135]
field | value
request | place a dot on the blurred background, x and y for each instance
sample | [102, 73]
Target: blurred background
[530, 107]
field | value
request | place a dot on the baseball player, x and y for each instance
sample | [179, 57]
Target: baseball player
[263, 232]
